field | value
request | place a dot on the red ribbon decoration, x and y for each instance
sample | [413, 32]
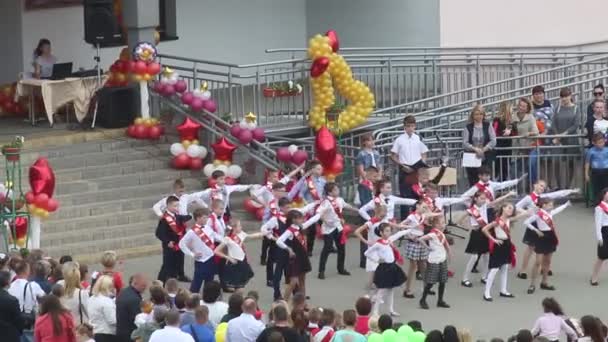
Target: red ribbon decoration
[42, 178]
[334, 42]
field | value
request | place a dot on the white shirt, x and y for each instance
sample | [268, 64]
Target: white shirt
[371, 235]
[601, 219]
[550, 326]
[500, 233]
[184, 201]
[264, 192]
[600, 126]
[331, 219]
[30, 302]
[191, 244]
[73, 304]
[483, 213]
[527, 202]
[540, 223]
[235, 250]
[492, 188]
[389, 202]
[217, 310]
[223, 194]
[244, 328]
[441, 202]
[409, 149]
[438, 253]
[216, 224]
[384, 252]
[102, 314]
[170, 334]
[288, 235]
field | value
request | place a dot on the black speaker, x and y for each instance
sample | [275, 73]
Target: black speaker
[117, 106]
[101, 26]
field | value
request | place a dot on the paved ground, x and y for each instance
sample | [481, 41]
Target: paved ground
[572, 266]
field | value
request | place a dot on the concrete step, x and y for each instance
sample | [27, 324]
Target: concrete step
[98, 234]
[99, 221]
[124, 168]
[87, 246]
[114, 207]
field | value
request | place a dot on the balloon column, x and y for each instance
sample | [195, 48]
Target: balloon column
[143, 70]
[40, 198]
[146, 129]
[248, 130]
[188, 154]
[329, 69]
[199, 99]
[326, 150]
[292, 154]
[222, 161]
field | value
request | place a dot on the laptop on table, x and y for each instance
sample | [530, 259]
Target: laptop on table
[60, 71]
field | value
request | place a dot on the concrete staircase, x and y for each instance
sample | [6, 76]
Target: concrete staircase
[106, 189]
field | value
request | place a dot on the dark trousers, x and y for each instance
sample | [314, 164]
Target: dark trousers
[105, 338]
[362, 249]
[280, 267]
[265, 246]
[311, 235]
[599, 180]
[328, 242]
[270, 260]
[405, 190]
[173, 264]
[203, 272]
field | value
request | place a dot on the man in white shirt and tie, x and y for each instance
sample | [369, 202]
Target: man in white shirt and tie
[171, 331]
[245, 328]
[409, 153]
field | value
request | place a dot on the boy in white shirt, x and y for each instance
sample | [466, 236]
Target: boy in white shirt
[220, 191]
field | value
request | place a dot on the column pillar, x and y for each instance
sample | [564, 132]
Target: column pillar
[141, 19]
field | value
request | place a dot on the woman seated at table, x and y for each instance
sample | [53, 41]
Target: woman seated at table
[43, 60]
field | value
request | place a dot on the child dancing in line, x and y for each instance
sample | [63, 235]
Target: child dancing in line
[384, 196]
[369, 239]
[437, 263]
[546, 243]
[601, 234]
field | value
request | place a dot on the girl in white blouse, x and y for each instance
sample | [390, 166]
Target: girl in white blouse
[601, 234]
[437, 263]
[384, 196]
[388, 274]
[237, 271]
[546, 243]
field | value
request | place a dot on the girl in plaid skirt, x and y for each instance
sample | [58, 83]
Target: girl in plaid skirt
[437, 262]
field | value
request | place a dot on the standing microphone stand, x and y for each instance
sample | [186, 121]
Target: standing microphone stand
[97, 60]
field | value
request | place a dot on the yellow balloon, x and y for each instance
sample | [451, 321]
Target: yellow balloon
[21, 242]
[186, 143]
[139, 121]
[44, 214]
[217, 162]
[195, 142]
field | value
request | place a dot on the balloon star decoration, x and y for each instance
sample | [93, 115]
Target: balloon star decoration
[248, 130]
[329, 69]
[222, 161]
[188, 154]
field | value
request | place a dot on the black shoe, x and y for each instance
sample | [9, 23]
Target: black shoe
[184, 279]
[483, 281]
[424, 305]
[487, 299]
[466, 283]
[333, 250]
[474, 270]
[507, 295]
[307, 297]
[263, 262]
[547, 287]
[522, 275]
[418, 275]
[344, 273]
[361, 265]
[594, 283]
[431, 293]
[227, 289]
[550, 273]
[408, 295]
[442, 304]
[531, 289]
[321, 275]
[269, 283]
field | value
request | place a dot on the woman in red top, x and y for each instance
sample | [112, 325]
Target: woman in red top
[55, 323]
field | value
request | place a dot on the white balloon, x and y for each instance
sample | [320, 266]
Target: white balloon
[208, 170]
[251, 125]
[193, 151]
[234, 171]
[177, 149]
[206, 95]
[292, 149]
[202, 152]
[197, 93]
[243, 125]
[222, 168]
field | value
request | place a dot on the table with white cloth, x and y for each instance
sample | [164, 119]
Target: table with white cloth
[56, 93]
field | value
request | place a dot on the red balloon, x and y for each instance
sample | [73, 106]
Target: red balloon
[259, 134]
[114, 67]
[333, 40]
[318, 67]
[235, 130]
[259, 214]
[9, 107]
[140, 132]
[188, 130]
[121, 66]
[180, 86]
[223, 149]
[19, 109]
[336, 167]
[197, 104]
[130, 66]
[187, 98]
[52, 205]
[181, 161]
[196, 163]
[230, 181]
[153, 68]
[283, 154]
[210, 106]
[42, 177]
[325, 146]
[41, 200]
[131, 131]
[245, 136]
[299, 157]
[20, 227]
[154, 132]
[140, 67]
[168, 90]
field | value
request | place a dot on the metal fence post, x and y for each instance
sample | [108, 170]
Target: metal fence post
[230, 97]
[390, 86]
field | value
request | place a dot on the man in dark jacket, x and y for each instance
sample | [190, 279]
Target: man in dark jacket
[128, 306]
[11, 324]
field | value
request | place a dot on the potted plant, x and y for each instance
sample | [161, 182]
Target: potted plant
[333, 112]
[289, 88]
[12, 150]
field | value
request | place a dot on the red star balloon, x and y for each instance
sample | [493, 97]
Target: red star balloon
[188, 130]
[325, 146]
[223, 149]
[42, 178]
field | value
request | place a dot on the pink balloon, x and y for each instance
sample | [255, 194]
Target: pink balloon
[283, 154]
[196, 104]
[180, 86]
[299, 157]
[245, 136]
[159, 88]
[235, 130]
[187, 98]
[210, 106]
[168, 90]
[259, 134]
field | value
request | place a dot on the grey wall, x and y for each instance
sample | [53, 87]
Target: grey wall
[365, 23]
[11, 62]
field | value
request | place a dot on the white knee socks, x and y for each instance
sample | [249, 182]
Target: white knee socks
[485, 262]
[391, 300]
[504, 274]
[380, 295]
[490, 282]
[469, 267]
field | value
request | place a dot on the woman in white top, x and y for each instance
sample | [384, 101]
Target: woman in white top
[546, 243]
[102, 310]
[43, 59]
[237, 271]
[74, 298]
[388, 275]
[551, 324]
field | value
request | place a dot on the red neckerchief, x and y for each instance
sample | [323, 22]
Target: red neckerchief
[546, 217]
[336, 207]
[485, 188]
[368, 184]
[312, 189]
[175, 227]
[216, 193]
[604, 207]
[328, 336]
[374, 220]
[534, 197]
[379, 201]
[505, 226]
[269, 186]
[237, 240]
[417, 188]
[214, 223]
[439, 234]
[274, 209]
[396, 254]
[474, 212]
[200, 232]
[297, 234]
